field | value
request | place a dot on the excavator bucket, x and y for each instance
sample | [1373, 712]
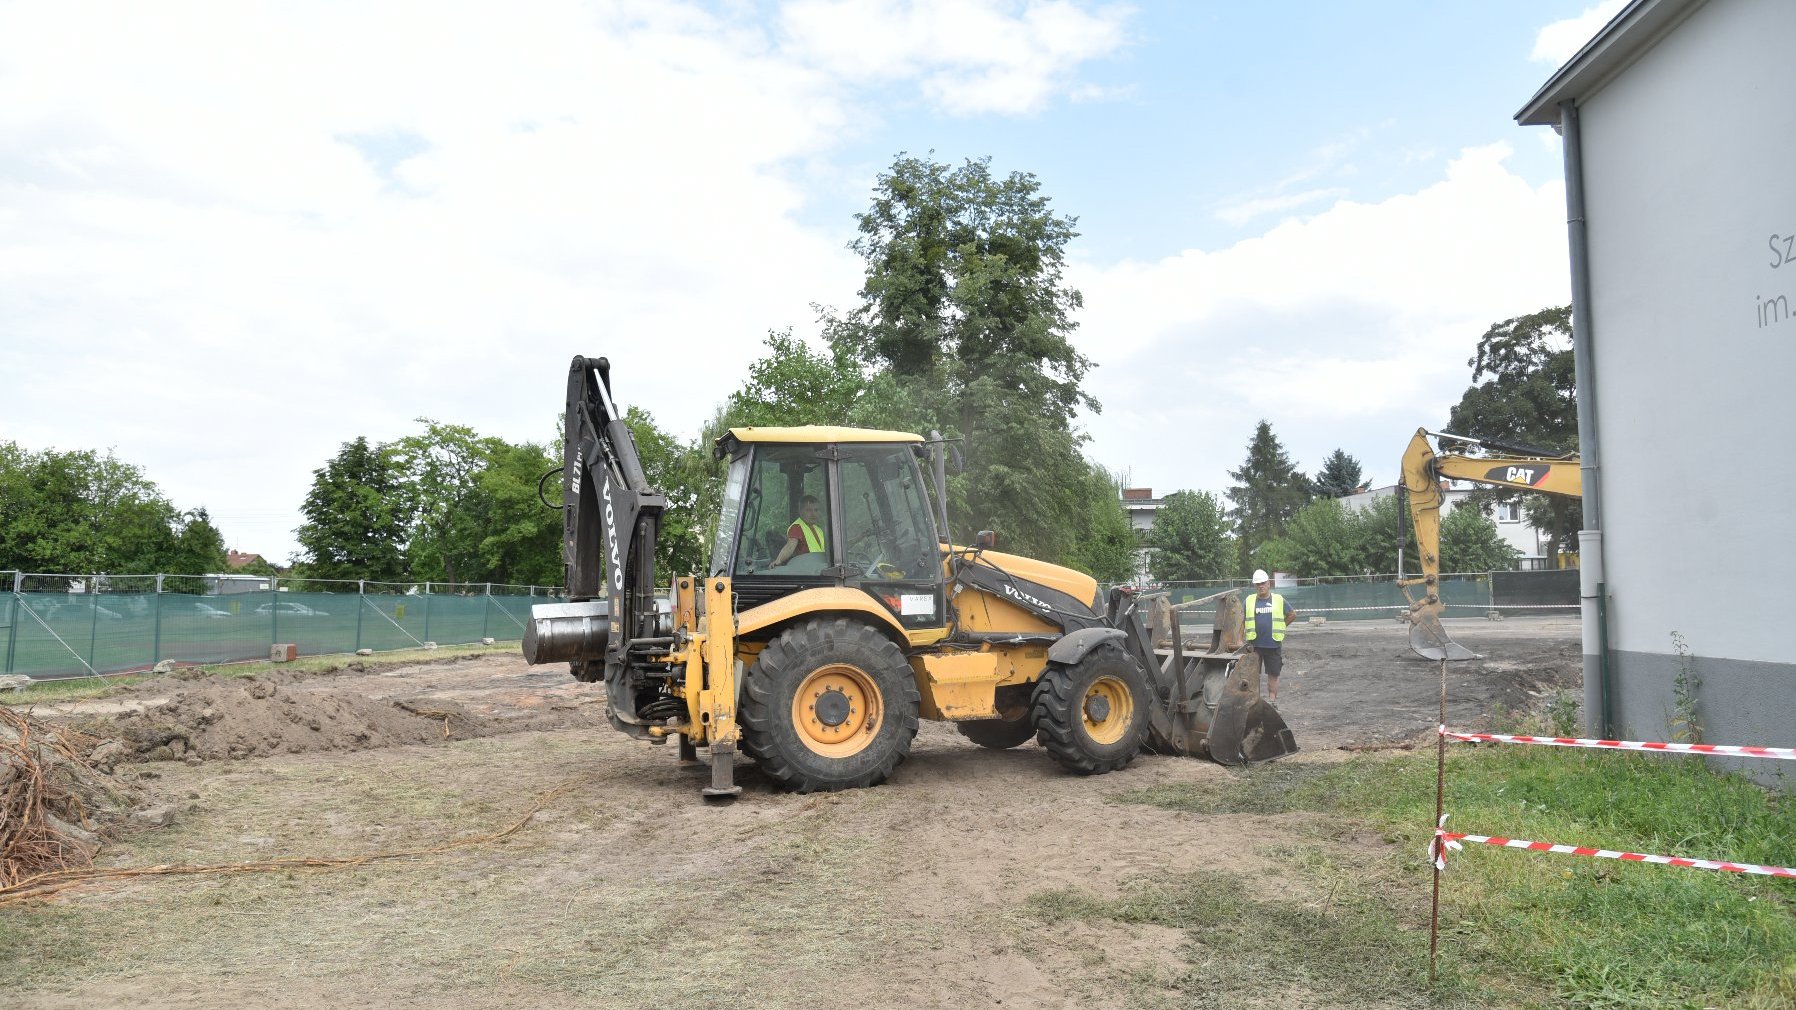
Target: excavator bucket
[1209, 699]
[1430, 640]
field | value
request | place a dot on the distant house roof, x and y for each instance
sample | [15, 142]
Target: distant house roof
[1137, 493]
[237, 559]
[1627, 37]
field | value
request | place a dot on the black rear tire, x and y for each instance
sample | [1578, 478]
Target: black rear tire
[1092, 716]
[999, 734]
[829, 704]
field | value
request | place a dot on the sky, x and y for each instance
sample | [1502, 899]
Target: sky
[235, 236]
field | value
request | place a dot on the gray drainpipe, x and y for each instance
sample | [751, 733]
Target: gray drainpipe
[1592, 588]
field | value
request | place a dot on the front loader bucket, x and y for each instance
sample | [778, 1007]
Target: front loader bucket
[1247, 729]
[1208, 700]
[1430, 640]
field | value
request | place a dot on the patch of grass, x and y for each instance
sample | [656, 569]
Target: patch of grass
[1352, 948]
[39, 942]
[1598, 933]
[80, 688]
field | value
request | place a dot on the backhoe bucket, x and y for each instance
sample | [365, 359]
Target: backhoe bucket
[1430, 640]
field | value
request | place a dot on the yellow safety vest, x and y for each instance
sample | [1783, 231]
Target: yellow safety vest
[1278, 617]
[813, 535]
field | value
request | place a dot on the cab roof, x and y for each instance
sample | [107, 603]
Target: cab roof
[820, 433]
[809, 434]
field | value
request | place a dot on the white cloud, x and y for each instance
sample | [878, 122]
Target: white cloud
[1561, 40]
[973, 56]
[1246, 210]
[233, 237]
[1348, 328]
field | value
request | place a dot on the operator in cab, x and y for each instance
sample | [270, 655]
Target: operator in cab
[805, 535]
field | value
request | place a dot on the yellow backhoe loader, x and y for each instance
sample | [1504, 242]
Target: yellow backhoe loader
[1423, 471]
[836, 611]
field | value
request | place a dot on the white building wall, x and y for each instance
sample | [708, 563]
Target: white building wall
[1690, 179]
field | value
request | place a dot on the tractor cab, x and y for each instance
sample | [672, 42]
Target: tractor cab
[816, 506]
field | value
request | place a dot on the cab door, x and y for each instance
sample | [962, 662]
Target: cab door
[886, 532]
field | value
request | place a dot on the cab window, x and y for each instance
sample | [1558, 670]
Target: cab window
[785, 513]
[887, 532]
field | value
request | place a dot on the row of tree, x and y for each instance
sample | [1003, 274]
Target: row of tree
[963, 326]
[1193, 540]
[85, 511]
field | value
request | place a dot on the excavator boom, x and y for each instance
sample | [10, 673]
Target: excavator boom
[1423, 472]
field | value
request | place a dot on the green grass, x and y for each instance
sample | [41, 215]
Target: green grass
[78, 688]
[1593, 933]
[1351, 949]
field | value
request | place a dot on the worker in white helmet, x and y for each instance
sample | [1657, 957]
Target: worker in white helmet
[1264, 616]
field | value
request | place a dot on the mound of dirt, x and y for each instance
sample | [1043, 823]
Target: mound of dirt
[214, 718]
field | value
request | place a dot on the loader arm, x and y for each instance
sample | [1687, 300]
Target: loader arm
[1423, 472]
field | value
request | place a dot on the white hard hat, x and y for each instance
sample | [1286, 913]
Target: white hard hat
[1259, 576]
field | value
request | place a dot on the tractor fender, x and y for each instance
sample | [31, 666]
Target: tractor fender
[1072, 647]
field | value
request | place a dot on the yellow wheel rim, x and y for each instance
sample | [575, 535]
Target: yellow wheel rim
[837, 710]
[1107, 710]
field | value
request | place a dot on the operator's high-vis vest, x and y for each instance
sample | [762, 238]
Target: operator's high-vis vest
[813, 536]
[1278, 617]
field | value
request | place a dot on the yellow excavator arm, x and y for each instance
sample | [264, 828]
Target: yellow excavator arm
[1423, 472]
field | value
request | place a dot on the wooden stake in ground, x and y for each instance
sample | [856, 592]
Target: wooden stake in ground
[1440, 791]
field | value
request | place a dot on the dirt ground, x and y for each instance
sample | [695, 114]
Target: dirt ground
[626, 890]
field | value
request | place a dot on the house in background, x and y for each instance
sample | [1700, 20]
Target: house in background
[1141, 505]
[238, 559]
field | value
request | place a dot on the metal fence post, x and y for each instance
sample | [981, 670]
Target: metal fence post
[12, 617]
[274, 611]
[156, 639]
[486, 613]
[427, 611]
[93, 625]
[361, 603]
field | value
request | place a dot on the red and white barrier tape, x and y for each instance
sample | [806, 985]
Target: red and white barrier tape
[1783, 753]
[1445, 840]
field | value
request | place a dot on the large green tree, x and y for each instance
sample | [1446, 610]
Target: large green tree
[442, 466]
[1470, 543]
[85, 511]
[1190, 539]
[1340, 475]
[1524, 392]
[1268, 491]
[1104, 543]
[358, 517]
[793, 383]
[965, 326]
[519, 541]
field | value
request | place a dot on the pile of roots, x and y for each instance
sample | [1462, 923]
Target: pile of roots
[55, 806]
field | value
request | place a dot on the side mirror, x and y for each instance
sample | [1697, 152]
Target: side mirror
[986, 540]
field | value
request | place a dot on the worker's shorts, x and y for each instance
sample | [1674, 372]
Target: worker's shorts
[1271, 660]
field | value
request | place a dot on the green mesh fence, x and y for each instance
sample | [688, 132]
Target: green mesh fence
[55, 626]
[1344, 599]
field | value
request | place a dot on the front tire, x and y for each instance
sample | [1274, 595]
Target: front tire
[1092, 715]
[829, 704]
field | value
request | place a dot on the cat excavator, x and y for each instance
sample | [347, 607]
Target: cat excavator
[1526, 469]
[818, 662]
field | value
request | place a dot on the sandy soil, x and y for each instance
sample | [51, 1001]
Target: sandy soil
[627, 890]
